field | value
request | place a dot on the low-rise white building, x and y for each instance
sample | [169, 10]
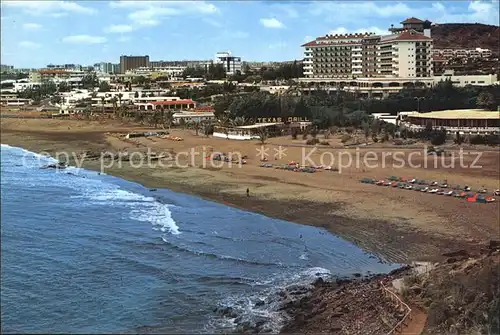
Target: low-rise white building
[464, 80]
[187, 117]
[274, 89]
[386, 117]
[463, 121]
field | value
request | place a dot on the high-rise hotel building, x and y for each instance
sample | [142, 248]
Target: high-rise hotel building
[405, 53]
[133, 62]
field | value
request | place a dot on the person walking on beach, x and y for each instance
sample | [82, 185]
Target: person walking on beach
[248, 192]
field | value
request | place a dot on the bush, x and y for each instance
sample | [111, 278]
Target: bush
[312, 141]
[397, 141]
[345, 138]
[438, 313]
[488, 139]
[438, 138]
[324, 143]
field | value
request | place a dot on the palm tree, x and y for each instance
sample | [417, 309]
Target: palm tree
[102, 104]
[120, 96]
[239, 121]
[262, 135]
[197, 125]
[223, 123]
[115, 106]
[168, 118]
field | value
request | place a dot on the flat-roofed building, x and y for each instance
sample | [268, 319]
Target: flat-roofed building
[464, 121]
[193, 117]
[173, 105]
[464, 80]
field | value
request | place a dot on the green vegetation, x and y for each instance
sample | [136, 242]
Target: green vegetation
[38, 93]
[214, 72]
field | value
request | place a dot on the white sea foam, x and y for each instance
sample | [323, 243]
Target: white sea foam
[159, 215]
[143, 208]
[98, 192]
[246, 305]
[29, 158]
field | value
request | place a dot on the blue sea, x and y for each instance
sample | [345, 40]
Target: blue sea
[89, 253]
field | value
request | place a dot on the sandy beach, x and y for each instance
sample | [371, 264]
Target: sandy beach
[399, 225]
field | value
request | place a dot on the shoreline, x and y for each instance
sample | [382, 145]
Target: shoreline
[391, 224]
[307, 215]
[412, 227]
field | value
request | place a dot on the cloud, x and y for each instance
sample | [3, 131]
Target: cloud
[348, 10]
[343, 30]
[49, 7]
[486, 12]
[32, 26]
[84, 39]
[119, 28]
[29, 45]
[272, 23]
[150, 13]
[289, 10]
[189, 6]
[124, 39]
[212, 22]
[278, 45]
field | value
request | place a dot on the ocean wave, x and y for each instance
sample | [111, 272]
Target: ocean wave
[29, 158]
[142, 208]
[160, 217]
[221, 257]
[98, 192]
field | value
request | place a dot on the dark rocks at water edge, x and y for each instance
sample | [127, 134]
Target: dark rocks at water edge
[267, 314]
[59, 165]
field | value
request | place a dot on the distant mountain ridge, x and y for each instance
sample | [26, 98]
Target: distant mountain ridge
[466, 35]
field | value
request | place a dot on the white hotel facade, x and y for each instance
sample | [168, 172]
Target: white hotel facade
[406, 53]
[370, 64]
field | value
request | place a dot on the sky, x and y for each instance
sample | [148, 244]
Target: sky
[37, 33]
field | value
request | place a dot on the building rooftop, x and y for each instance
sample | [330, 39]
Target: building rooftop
[259, 125]
[408, 35]
[176, 102]
[337, 37]
[459, 114]
[412, 20]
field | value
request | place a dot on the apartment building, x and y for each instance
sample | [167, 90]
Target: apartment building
[6, 68]
[406, 53]
[60, 75]
[106, 67]
[163, 71]
[463, 53]
[231, 64]
[68, 67]
[133, 62]
[338, 56]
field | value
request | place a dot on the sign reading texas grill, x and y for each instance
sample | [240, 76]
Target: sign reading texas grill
[280, 119]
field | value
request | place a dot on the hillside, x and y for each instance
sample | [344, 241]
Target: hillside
[466, 35]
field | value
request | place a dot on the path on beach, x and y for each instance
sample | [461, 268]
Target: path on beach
[417, 322]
